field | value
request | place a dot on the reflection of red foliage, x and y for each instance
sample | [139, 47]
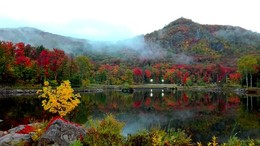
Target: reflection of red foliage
[171, 103]
[156, 106]
[147, 101]
[206, 98]
[185, 98]
[137, 104]
[26, 130]
[234, 100]
[222, 105]
[211, 107]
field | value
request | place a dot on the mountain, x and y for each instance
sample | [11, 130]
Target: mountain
[37, 37]
[181, 41]
[184, 35]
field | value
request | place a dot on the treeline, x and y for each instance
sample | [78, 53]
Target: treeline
[22, 64]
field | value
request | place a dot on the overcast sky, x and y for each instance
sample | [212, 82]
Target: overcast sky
[121, 19]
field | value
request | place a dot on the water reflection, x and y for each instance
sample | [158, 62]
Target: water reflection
[201, 114]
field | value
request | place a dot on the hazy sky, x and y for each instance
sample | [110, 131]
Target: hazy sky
[121, 19]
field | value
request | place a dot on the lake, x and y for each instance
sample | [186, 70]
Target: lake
[201, 114]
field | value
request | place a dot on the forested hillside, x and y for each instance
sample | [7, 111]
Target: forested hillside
[183, 52]
[22, 64]
[205, 43]
[181, 41]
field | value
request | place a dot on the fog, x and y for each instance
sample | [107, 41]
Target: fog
[135, 122]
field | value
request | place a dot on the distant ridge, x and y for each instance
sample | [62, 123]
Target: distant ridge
[37, 37]
[182, 37]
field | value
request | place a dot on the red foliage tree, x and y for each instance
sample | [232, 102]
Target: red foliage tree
[185, 77]
[43, 61]
[138, 71]
[235, 77]
[20, 58]
[57, 58]
[147, 73]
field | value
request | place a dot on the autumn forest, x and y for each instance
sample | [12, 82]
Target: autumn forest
[23, 64]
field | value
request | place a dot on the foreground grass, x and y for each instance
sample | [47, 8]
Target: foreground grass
[108, 132]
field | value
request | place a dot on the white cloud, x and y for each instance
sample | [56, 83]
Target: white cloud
[76, 17]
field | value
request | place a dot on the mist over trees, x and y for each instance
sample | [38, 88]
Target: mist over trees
[183, 52]
[23, 64]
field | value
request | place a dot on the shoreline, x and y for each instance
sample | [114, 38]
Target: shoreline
[102, 88]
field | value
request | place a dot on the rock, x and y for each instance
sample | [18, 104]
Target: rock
[13, 138]
[2, 133]
[61, 132]
[16, 129]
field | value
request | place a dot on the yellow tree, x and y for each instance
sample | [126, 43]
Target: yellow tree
[61, 100]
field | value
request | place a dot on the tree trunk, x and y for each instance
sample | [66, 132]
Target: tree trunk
[251, 80]
[246, 80]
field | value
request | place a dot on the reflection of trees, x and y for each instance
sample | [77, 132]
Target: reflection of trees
[21, 110]
[247, 120]
[248, 114]
[108, 101]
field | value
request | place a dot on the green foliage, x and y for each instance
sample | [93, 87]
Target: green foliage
[235, 141]
[177, 138]
[85, 68]
[53, 83]
[139, 138]
[76, 143]
[159, 137]
[129, 77]
[247, 65]
[247, 120]
[106, 132]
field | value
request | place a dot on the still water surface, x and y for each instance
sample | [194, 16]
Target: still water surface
[200, 114]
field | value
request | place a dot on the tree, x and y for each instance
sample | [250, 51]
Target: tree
[85, 67]
[247, 65]
[7, 63]
[20, 58]
[61, 100]
[43, 62]
[138, 74]
[128, 77]
[58, 59]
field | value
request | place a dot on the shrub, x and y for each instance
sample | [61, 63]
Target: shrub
[105, 132]
[76, 143]
[61, 100]
[177, 138]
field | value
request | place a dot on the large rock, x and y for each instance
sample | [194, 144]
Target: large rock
[62, 133]
[10, 137]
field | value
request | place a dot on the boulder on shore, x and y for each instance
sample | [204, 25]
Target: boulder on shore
[61, 132]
